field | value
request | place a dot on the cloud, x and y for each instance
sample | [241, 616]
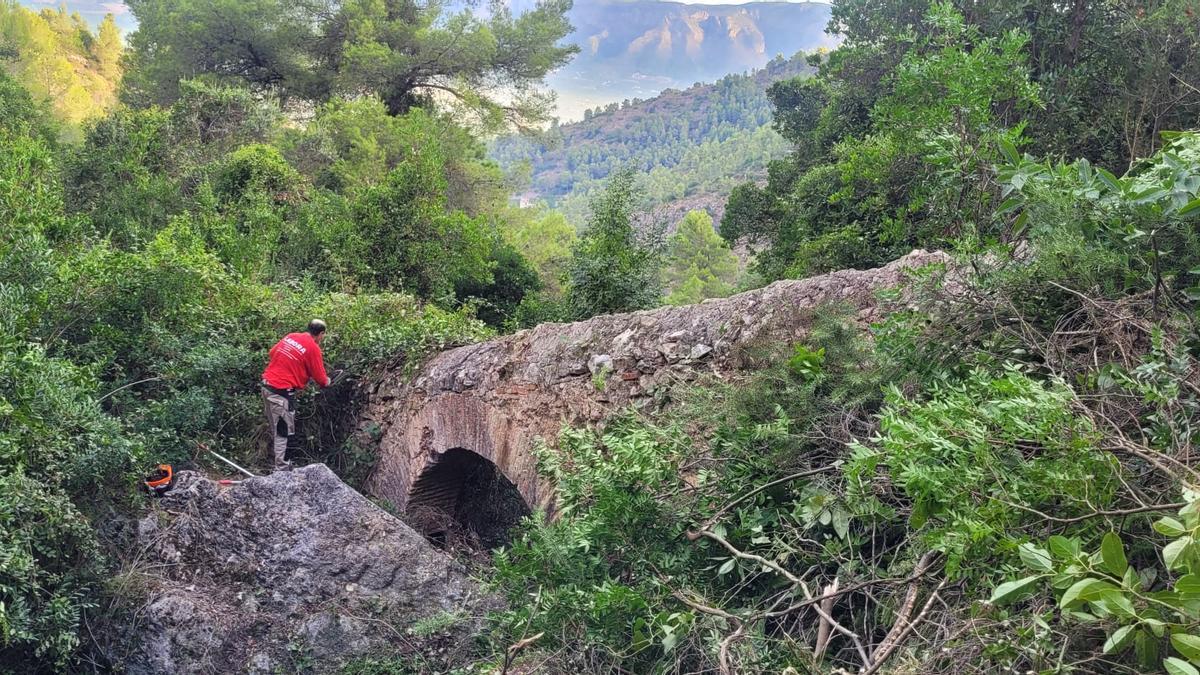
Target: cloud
[85, 7]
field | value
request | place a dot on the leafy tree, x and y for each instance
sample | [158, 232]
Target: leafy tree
[137, 168]
[1102, 103]
[699, 262]
[513, 278]
[317, 51]
[413, 242]
[56, 444]
[954, 101]
[612, 268]
[915, 170]
[108, 47]
[354, 144]
[545, 238]
[21, 114]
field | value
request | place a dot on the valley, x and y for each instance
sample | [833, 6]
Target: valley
[691, 147]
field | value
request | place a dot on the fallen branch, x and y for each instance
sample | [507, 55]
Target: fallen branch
[823, 630]
[880, 658]
[693, 535]
[849, 589]
[510, 654]
[797, 582]
[906, 607]
[739, 628]
[723, 654]
[1096, 514]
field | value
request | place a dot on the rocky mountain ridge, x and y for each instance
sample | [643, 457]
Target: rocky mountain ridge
[637, 48]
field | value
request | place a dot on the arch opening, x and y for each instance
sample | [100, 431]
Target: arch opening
[463, 499]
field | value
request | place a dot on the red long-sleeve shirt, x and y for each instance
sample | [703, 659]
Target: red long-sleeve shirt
[295, 359]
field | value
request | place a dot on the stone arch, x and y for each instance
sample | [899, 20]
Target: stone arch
[457, 446]
[463, 494]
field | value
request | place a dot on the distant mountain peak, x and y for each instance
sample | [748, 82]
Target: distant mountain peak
[636, 48]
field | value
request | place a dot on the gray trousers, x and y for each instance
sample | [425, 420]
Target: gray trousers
[281, 420]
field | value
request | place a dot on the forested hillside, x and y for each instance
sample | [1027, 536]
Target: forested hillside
[692, 145]
[61, 61]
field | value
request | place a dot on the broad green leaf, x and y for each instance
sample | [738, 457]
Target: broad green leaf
[1130, 579]
[1098, 588]
[1188, 585]
[1020, 222]
[727, 567]
[1009, 150]
[1176, 666]
[1187, 645]
[1171, 552]
[1109, 179]
[1120, 639]
[841, 523]
[1009, 204]
[1113, 553]
[1063, 548]
[1191, 206]
[1146, 647]
[1169, 527]
[1012, 591]
[1036, 558]
[1157, 627]
[1072, 596]
[1118, 603]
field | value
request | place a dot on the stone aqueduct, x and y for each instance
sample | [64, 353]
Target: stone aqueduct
[484, 406]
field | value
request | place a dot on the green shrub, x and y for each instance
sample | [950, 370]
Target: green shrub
[612, 268]
[961, 458]
[589, 579]
[49, 563]
[256, 170]
[1160, 621]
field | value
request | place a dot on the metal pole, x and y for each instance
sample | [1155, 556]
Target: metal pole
[230, 463]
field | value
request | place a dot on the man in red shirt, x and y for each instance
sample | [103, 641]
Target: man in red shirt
[295, 360]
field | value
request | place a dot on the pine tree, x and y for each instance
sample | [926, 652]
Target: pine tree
[108, 46]
[700, 264]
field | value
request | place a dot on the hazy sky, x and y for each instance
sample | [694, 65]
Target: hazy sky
[94, 10]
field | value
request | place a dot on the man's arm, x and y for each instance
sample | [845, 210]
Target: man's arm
[316, 368]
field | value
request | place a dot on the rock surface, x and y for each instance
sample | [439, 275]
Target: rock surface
[497, 398]
[283, 572]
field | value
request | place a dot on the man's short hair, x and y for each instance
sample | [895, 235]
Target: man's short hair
[316, 327]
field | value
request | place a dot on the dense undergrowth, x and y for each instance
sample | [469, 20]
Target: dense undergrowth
[139, 296]
[926, 498]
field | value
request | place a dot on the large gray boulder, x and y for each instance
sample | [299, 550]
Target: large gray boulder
[286, 572]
